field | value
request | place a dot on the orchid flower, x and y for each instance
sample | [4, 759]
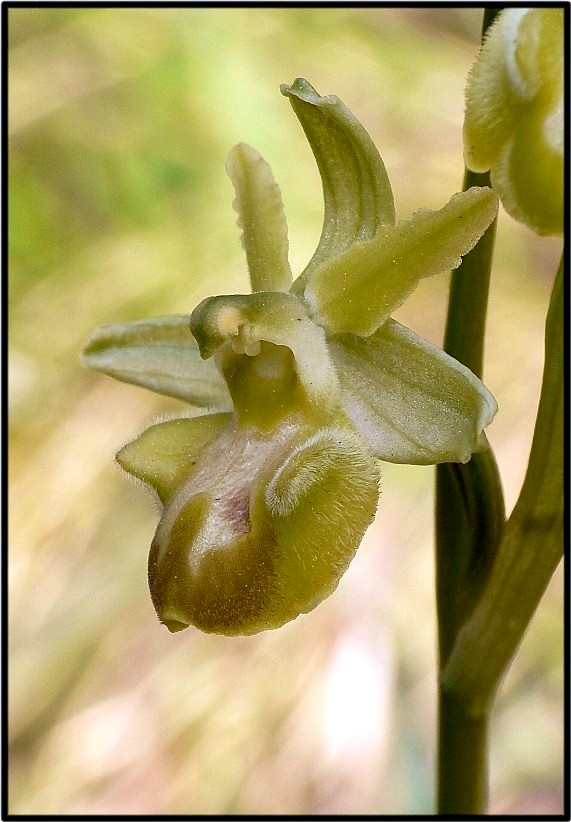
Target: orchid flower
[299, 389]
[514, 115]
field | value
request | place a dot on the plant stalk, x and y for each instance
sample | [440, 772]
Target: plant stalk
[469, 522]
[532, 544]
[463, 765]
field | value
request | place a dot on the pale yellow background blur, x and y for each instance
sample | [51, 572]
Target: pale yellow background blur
[120, 209]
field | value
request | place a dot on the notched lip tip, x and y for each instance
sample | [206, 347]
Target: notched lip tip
[174, 624]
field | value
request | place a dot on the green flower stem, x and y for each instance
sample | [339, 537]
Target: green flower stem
[463, 763]
[530, 550]
[470, 518]
[477, 651]
[468, 300]
[469, 522]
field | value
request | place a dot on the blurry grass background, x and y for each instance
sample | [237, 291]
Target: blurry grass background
[120, 208]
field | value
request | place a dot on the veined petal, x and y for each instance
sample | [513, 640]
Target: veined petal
[164, 454]
[410, 401]
[160, 354]
[360, 288]
[356, 189]
[262, 219]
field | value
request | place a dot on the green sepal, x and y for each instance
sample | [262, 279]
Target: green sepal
[159, 354]
[356, 189]
[261, 218]
[410, 401]
[360, 288]
[165, 453]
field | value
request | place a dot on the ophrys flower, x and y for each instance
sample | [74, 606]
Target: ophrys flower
[514, 114]
[309, 384]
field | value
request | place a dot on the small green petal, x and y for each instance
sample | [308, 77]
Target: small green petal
[360, 288]
[159, 354]
[164, 454]
[356, 189]
[261, 216]
[410, 401]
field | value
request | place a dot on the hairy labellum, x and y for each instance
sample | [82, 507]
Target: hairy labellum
[262, 528]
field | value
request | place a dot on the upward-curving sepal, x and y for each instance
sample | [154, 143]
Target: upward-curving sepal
[360, 288]
[356, 189]
[261, 218]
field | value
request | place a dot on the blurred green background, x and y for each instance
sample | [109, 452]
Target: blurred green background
[119, 209]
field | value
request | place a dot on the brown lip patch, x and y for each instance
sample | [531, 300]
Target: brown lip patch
[230, 590]
[236, 509]
[235, 586]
